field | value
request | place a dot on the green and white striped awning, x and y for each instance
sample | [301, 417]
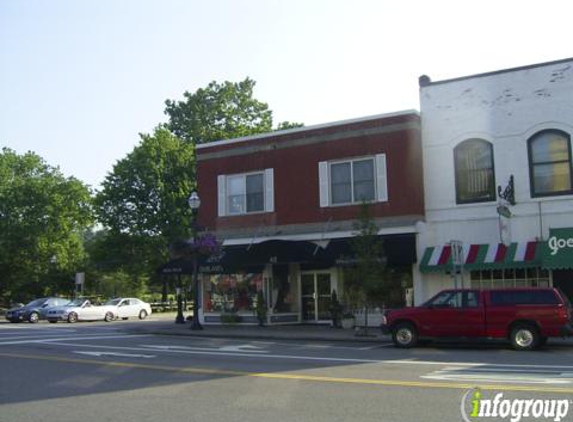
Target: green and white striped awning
[483, 256]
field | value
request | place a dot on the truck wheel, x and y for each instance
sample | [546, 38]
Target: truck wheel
[524, 337]
[404, 335]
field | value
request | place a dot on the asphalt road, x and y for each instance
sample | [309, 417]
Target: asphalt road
[102, 372]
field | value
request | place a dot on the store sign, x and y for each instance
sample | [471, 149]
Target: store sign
[558, 251]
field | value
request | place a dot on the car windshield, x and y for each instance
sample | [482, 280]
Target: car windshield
[113, 302]
[73, 303]
[35, 303]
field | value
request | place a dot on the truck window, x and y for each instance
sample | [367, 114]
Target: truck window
[523, 297]
[466, 299]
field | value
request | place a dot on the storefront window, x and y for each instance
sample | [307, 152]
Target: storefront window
[232, 292]
[499, 279]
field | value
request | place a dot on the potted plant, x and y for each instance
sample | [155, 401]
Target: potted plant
[335, 309]
[348, 320]
[261, 309]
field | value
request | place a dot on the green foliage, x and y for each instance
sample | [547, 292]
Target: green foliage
[219, 112]
[231, 318]
[367, 280]
[146, 193]
[261, 308]
[42, 217]
[118, 284]
[335, 309]
[143, 206]
[289, 125]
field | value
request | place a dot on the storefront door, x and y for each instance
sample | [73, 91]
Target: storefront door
[315, 294]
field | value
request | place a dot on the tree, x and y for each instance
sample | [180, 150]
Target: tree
[42, 217]
[367, 279]
[219, 112]
[143, 203]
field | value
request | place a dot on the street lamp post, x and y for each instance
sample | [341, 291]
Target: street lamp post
[194, 203]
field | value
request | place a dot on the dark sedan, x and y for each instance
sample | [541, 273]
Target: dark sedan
[35, 310]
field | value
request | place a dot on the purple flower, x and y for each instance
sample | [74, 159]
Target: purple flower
[204, 244]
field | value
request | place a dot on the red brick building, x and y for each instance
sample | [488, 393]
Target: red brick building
[285, 203]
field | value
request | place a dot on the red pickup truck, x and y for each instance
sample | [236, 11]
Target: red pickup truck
[524, 316]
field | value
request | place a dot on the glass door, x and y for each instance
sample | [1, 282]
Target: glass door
[315, 297]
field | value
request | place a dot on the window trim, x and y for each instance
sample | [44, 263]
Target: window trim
[493, 193]
[532, 138]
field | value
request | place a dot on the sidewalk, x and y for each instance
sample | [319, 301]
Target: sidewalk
[165, 325]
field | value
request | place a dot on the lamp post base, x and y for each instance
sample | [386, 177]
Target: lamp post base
[196, 325]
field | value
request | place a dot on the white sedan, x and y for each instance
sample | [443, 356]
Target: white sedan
[129, 307]
[80, 310]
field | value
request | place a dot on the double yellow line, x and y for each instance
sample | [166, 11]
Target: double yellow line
[296, 377]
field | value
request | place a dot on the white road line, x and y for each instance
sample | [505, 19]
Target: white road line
[216, 352]
[52, 340]
[114, 354]
[491, 378]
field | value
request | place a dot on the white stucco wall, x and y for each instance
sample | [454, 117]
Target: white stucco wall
[505, 108]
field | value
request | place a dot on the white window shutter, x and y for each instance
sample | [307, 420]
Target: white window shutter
[381, 178]
[222, 195]
[269, 190]
[323, 183]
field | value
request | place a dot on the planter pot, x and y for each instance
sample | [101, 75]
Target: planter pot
[348, 323]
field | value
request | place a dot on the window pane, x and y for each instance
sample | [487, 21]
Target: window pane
[236, 185]
[363, 191]
[363, 172]
[549, 178]
[255, 193]
[549, 147]
[475, 179]
[340, 183]
[236, 194]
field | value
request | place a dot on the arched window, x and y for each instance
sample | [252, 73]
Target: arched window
[550, 163]
[475, 178]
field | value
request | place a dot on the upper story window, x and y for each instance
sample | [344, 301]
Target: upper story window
[475, 177]
[550, 163]
[353, 181]
[246, 193]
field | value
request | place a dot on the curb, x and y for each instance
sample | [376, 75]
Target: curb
[255, 336]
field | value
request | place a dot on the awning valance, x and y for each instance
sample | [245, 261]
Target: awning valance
[398, 250]
[483, 256]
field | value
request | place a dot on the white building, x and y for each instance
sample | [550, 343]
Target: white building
[478, 133]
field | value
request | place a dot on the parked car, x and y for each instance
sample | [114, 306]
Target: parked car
[35, 310]
[129, 307]
[526, 317]
[80, 310]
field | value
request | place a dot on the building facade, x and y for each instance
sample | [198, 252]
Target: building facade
[498, 180]
[285, 205]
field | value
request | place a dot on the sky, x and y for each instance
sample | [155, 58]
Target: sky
[81, 79]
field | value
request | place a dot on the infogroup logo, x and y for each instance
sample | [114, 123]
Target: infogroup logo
[475, 407]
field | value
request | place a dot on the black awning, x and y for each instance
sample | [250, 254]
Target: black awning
[176, 266]
[231, 259]
[398, 250]
[285, 251]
